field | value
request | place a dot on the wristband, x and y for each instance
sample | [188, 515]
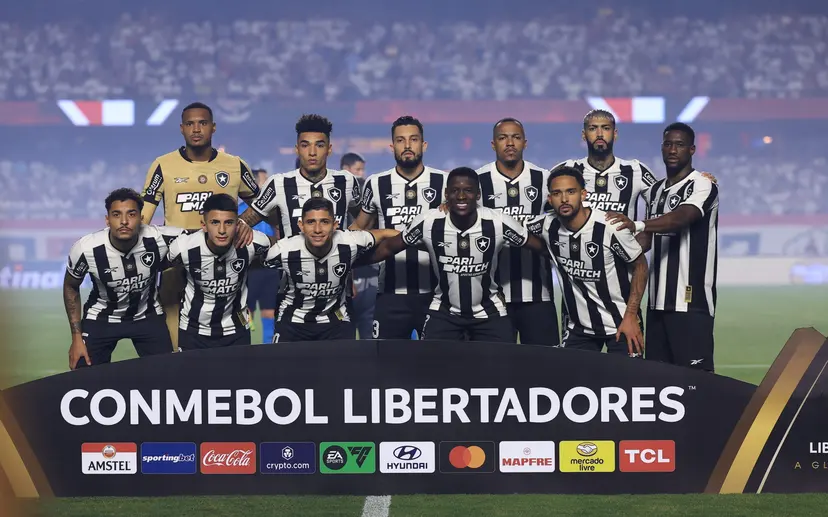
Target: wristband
[639, 226]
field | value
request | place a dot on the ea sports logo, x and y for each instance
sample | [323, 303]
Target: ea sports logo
[109, 452]
[467, 457]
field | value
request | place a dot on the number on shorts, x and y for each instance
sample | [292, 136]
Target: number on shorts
[375, 329]
[275, 337]
[423, 333]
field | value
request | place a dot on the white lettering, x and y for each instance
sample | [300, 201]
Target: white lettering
[554, 405]
[243, 407]
[295, 406]
[591, 397]
[675, 405]
[420, 405]
[510, 406]
[484, 394]
[350, 418]
[638, 404]
[392, 405]
[95, 407]
[137, 404]
[616, 407]
[174, 407]
[310, 418]
[214, 406]
[458, 408]
[65, 407]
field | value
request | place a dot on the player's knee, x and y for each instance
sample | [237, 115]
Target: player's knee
[268, 313]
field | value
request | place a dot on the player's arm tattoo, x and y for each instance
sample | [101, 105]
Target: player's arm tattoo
[72, 302]
[251, 217]
[681, 217]
[638, 284]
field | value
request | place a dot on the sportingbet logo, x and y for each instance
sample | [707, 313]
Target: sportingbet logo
[347, 458]
[109, 458]
[527, 457]
[647, 456]
[228, 458]
[192, 201]
[587, 456]
[168, 458]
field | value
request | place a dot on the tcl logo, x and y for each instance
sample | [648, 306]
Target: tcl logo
[647, 456]
[228, 458]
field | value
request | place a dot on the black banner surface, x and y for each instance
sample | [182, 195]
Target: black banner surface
[386, 417]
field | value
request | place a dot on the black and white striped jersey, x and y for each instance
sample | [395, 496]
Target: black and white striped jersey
[316, 285]
[593, 268]
[465, 261]
[616, 189]
[684, 264]
[287, 192]
[397, 201]
[123, 284]
[524, 276]
[215, 299]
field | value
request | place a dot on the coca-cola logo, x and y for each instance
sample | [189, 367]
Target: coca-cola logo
[228, 458]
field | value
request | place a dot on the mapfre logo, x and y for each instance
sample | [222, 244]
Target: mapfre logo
[228, 458]
[647, 456]
[192, 201]
[527, 457]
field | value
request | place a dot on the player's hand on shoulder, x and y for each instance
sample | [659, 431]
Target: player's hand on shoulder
[244, 234]
[709, 176]
[625, 222]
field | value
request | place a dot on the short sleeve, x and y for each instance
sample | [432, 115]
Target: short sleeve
[265, 202]
[364, 241]
[78, 266]
[170, 233]
[260, 245]
[154, 184]
[647, 180]
[368, 204]
[248, 189]
[514, 233]
[535, 224]
[273, 257]
[624, 245]
[701, 193]
[414, 232]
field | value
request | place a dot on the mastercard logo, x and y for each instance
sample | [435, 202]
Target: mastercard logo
[472, 457]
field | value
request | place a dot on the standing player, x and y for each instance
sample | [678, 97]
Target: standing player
[464, 245]
[123, 260]
[262, 283]
[393, 199]
[364, 278]
[682, 222]
[612, 184]
[184, 179]
[285, 194]
[316, 265]
[214, 312]
[516, 187]
[603, 270]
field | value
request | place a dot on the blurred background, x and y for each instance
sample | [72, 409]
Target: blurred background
[91, 93]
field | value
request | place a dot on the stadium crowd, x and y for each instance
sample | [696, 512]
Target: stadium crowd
[147, 56]
[750, 185]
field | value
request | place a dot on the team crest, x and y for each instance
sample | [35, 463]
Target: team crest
[482, 243]
[335, 194]
[429, 194]
[601, 182]
[410, 194]
[674, 201]
[320, 271]
[237, 265]
[512, 192]
[339, 269]
[531, 193]
[315, 193]
[464, 244]
[592, 249]
[222, 178]
[621, 182]
[148, 259]
[574, 246]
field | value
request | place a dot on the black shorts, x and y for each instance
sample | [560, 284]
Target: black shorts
[579, 340]
[396, 316]
[292, 332]
[681, 338]
[189, 340]
[262, 288]
[535, 322]
[149, 337]
[446, 327]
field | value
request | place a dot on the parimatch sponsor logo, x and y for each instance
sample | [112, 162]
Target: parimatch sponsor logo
[192, 201]
[587, 456]
[347, 458]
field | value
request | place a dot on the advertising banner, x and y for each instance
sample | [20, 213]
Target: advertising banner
[405, 417]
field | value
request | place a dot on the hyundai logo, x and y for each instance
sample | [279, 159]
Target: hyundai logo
[407, 453]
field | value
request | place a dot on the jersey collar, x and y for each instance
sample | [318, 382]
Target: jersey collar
[507, 178]
[615, 167]
[183, 152]
[476, 226]
[309, 182]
